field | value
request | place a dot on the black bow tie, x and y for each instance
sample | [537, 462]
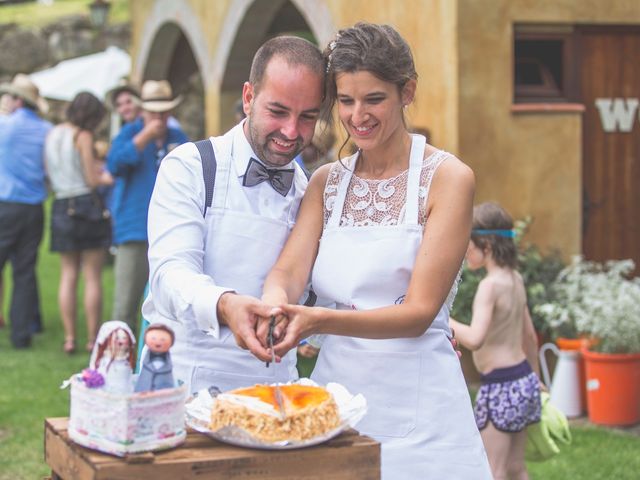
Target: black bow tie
[279, 179]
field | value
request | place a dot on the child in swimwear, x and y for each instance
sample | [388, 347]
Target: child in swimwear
[503, 342]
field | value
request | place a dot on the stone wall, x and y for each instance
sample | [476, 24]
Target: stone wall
[26, 50]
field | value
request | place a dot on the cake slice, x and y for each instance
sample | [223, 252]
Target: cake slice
[310, 411]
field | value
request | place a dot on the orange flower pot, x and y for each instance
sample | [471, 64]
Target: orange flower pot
[572, 344]
[613, 387]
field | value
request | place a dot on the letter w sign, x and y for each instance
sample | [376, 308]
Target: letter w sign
[617, 114]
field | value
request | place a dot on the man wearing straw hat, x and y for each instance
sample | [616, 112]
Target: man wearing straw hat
[125, 101]
[134, 160]
[22, 191]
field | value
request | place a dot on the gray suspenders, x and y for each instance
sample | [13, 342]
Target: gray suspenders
[209, 164]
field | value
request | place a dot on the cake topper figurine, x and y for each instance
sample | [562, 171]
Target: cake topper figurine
[156, 368]
[113, 356]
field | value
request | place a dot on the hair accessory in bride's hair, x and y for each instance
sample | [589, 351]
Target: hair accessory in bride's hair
[334, 43]
[332, 46]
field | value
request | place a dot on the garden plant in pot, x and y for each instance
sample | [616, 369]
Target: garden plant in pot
[569, 386]
[601, 300]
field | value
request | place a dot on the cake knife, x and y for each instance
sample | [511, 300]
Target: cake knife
[276, 390]
[272, 324]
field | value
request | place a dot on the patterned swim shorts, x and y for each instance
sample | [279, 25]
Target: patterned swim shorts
[509, 398]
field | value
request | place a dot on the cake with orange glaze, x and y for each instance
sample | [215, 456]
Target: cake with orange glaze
[309, 411]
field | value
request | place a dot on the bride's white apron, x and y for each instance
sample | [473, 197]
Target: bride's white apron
[418, 403]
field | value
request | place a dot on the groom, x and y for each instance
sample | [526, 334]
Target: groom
[208, 263]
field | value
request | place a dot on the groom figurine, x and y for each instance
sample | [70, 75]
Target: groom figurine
[208, 257]
[156, 370]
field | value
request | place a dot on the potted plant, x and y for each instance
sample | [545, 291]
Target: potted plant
[600, 299]
[559, 313]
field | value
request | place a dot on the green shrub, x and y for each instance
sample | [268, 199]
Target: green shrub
[539, 271]
[467, 287]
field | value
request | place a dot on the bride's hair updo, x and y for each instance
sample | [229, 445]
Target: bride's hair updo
[378, 49]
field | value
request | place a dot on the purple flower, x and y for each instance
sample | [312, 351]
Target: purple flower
[92, 378]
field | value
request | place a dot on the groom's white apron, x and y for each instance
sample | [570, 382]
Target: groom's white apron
[240, 250]
[418, 403]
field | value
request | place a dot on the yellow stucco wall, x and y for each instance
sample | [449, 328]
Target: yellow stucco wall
[429, 27]
[531, 163]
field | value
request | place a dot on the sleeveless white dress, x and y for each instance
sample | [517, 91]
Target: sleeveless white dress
[418, 403]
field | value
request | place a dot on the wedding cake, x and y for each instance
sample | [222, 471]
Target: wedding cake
[307, 412]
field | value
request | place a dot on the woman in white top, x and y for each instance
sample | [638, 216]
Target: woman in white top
[385, 231]
[80, 224]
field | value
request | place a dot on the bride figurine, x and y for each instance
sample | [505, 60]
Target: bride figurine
[113, 356]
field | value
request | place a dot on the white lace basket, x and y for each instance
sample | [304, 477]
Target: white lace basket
[120, 424]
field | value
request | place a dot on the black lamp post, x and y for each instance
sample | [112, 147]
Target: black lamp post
[99, 12]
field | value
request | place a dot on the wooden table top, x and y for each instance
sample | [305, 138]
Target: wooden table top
[348, 456]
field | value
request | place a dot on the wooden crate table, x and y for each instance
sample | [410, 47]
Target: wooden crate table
[348, 456]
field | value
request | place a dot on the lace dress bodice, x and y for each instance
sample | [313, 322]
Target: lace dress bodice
[372, 202]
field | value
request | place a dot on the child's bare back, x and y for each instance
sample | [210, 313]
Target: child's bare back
[503, 291]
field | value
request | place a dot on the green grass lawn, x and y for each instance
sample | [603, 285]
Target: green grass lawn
[595, 454]
[29, 392]
[35, 14]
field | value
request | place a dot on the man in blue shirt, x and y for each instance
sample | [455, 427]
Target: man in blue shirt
[134, 160]
[22, 191]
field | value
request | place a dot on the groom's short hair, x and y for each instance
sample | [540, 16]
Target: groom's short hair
[295, 51]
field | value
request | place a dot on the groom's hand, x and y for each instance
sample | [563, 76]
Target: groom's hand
[242, 313]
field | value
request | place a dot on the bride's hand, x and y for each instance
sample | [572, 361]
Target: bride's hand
[262, 327]
[301, 322]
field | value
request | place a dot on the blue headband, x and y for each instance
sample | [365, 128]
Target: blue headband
[500, 233]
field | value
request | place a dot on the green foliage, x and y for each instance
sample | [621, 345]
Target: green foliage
[539, 271]
[463, 304]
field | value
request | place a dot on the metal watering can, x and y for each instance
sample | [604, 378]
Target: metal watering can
[565, 388]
